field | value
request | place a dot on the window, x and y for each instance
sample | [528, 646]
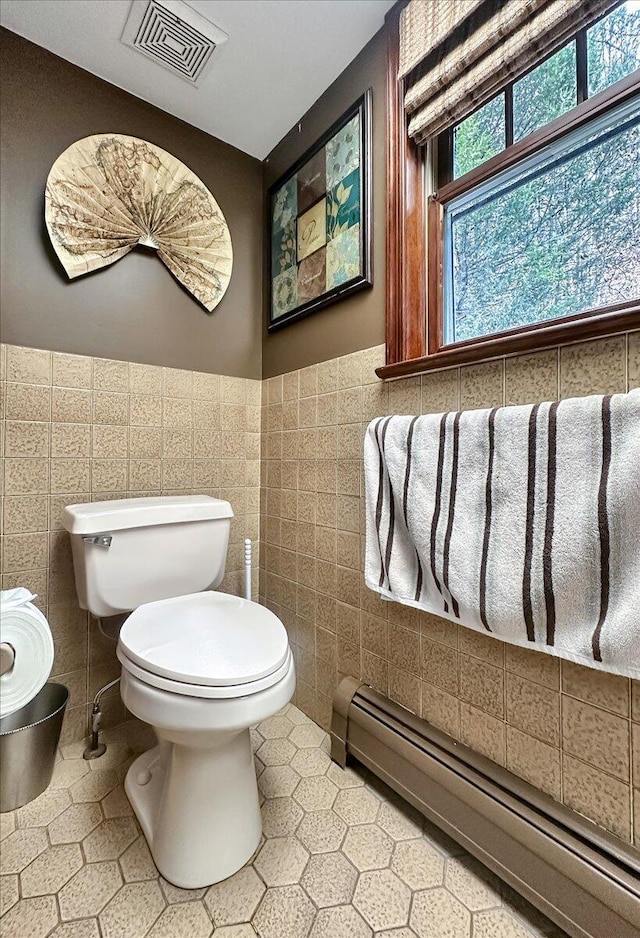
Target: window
[534, 230]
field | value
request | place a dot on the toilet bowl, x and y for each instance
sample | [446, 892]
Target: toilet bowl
[201, 669]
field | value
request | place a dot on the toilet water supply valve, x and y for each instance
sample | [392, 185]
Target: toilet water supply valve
[95, 749]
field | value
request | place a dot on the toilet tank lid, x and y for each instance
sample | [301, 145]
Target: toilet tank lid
[116, 515]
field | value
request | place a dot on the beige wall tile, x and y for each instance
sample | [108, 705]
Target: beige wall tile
[28, 402]
[327, 376]
[441, 391]
[483, 733]
[439, 665]
[69, 475]
[28, 365]
[72, 371]
[146, 442]
[70, 439]
[145, 411]
[634, 360]
[26, 476]
[635, 700]
[57, 504]
[109, 475]
[609, 691]
[481, 646]
[177, 383]
[110, 442]
[538, 667]
[110, 375]
[26, 438]
[596, 736]
[599, 797]
[26, 514]
[350, 371]
[110, 408]
[145, 379]
[441, 709]
[534, 761]
[436, 629]
[533, 708]
[404, 688]
[308, 381]
[481, 385]
[597, 367]
[71, 405]
[405, 397]
[531, 379]
[25, 552]
[482, 685]
[206, 387]
[178, 444]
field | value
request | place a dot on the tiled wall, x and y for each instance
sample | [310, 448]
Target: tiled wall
[565, 728]
[85, 429]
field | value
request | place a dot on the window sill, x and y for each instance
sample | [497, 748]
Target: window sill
[571, 329]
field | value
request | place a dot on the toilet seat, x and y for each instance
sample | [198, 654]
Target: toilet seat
[205, 691]
[205, 644]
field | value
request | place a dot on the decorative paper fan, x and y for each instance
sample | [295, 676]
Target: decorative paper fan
[108, 192]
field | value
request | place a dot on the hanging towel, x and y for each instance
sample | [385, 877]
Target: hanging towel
[520, 522]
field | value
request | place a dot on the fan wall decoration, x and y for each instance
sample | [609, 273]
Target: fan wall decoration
[108, 193]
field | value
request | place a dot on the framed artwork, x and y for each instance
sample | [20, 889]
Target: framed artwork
[319, 218]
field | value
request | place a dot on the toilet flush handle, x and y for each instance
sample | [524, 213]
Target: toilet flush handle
[100, 540]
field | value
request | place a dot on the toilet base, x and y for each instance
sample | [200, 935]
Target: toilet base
[198, 807]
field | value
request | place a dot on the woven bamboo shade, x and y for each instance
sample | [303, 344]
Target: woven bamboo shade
[108, 193]
[462, 53]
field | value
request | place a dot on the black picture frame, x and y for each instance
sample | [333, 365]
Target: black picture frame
[292, 233]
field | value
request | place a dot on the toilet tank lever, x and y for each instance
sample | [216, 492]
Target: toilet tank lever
[100, 540]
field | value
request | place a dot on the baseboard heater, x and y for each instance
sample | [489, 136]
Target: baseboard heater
[575, 873]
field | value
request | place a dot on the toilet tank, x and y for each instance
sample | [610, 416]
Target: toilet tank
[138, 550]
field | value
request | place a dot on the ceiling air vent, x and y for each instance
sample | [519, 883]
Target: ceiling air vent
[173, 35]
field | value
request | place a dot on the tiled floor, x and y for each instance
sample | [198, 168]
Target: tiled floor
[342, 857]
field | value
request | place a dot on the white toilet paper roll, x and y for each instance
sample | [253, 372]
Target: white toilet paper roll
[26, 630]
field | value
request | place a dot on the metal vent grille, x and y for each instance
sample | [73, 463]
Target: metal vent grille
[174, 35]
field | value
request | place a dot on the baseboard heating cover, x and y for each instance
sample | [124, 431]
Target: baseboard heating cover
[582, 878]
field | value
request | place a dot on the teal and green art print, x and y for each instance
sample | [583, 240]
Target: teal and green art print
[319, 226]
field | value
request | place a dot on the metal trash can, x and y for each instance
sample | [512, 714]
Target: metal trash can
[28, 742]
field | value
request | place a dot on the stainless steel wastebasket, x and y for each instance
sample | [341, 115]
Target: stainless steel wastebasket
[28, 742]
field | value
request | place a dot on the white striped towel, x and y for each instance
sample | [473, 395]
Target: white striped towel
[519, 522]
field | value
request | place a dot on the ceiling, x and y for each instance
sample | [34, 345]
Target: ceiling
[279, 58]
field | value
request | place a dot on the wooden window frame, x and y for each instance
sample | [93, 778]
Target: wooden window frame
[414, 295]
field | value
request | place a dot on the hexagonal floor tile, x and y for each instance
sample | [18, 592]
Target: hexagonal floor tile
[275, 727]
[117, 753]
[116, 804]
[75, 823]
[51, 870]
[368, 847]
[110, 839]
[9, 892]
[173, 894]
[32, 917]
[137, 863]
[437, 912]
[94, 786]
[236, 931]
[235, 899]
[278, 781]
[85, 928]
[281, 861]
[418, 864]
[307, 736]
[89, 890]
[340, 922]
[357, 806]
[472, 883]
[404, 932]
[321, 831]
[382, 899]
[498, 923]
[329, 879]
[178, 921]
[68, 771]
[308, 762]
[344, 778]
[276, 752]
[400, 822]
[285, 912]
[132, 911]
[7, 824]
[295, 715]
[280, 817]
[316, 793]
[44, 809]
[20, 848]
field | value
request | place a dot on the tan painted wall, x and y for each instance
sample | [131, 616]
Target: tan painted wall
[82, 429]
[357, 322]
[134, 309]
[565, 728]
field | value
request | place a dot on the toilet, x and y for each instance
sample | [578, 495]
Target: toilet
[199, 666]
